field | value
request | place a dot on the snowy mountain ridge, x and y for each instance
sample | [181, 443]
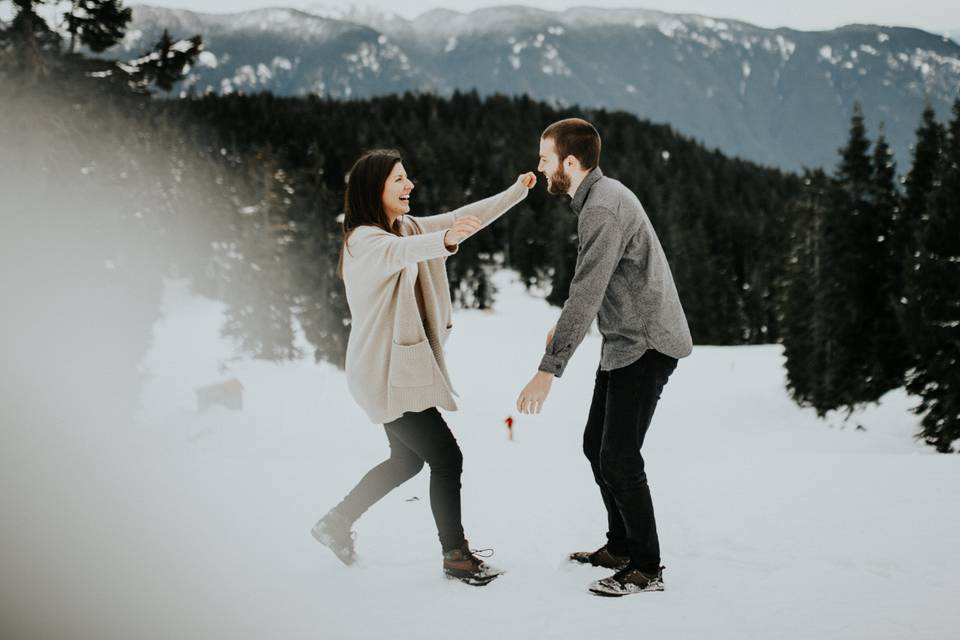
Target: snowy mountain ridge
[776, 96]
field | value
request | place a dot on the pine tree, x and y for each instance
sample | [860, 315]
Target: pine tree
[37, 47]
[259, 297]
[935, 286]
[890, 352]
[808, 342]
[849, 238]
[165, 65]
[837, 311]
[32, 38]
[97, 24]
[321, 309]
[721, 221]
[918, 185]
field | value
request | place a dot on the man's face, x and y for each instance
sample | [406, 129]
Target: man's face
[558, 182]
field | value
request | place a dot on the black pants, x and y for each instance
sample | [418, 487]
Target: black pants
[416, 438]
[623, 404]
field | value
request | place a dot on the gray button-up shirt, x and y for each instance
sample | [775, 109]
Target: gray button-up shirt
[621, 278]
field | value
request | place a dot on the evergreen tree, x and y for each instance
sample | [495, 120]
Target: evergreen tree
[31, 47]
[97, 24]
[926, 156]
[805, 322]
[321, 302]
[935, 286]
[890, 351]
[561, 253]
[165, 65]
[720, 220]
[708, 296]
[259, 292]
[30, 38]
[918, 185]
[839, 354]
[848, 252]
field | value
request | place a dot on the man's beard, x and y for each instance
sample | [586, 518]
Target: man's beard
[559, 182]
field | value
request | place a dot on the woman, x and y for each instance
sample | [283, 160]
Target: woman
[393, 268]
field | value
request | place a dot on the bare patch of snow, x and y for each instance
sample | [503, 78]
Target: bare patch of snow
[207, 59]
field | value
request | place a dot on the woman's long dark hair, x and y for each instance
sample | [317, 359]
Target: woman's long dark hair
[363, 202]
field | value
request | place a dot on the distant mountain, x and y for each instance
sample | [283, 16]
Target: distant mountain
[775, 96]
[953, 34]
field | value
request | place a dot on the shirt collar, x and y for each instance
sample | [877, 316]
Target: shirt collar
[581, 195]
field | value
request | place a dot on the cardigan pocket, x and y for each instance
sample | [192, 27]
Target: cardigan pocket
[411, 365]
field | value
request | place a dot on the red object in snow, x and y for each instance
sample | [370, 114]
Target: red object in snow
[509, 423]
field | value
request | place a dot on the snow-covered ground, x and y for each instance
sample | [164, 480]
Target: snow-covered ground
[773, 524]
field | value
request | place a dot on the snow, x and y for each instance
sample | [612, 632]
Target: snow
[182, 46]
[358, 12]
[670, 27]
[207, 59]
[365, 57]
[707, 42]
[773, 524]
[368, 58]
[292, 23]
[786, 47]
[710, 23]
[552, 63]
[132, 39]
[245, 75]
[281, 63]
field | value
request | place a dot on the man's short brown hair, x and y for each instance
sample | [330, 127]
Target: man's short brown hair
[575, 137]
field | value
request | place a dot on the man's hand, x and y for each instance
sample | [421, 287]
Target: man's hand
[535, 393]
[550, 334]
[462, 229]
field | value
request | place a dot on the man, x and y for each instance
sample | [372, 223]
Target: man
[622, 279]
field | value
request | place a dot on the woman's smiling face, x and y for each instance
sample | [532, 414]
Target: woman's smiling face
[396, 193]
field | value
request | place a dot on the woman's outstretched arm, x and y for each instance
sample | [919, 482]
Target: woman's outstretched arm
[487, 210]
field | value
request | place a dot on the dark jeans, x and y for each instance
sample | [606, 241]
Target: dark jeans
[416, 438]
[623, 403]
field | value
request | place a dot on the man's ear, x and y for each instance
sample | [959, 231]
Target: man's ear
[571, 162]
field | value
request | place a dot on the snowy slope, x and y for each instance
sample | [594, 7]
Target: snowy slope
[773, 524]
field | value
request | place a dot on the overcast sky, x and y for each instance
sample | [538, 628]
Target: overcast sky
[932, 15]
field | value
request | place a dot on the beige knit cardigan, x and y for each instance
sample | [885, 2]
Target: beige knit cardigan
[394, 359]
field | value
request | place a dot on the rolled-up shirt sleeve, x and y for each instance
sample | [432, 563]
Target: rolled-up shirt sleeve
[601, 248]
